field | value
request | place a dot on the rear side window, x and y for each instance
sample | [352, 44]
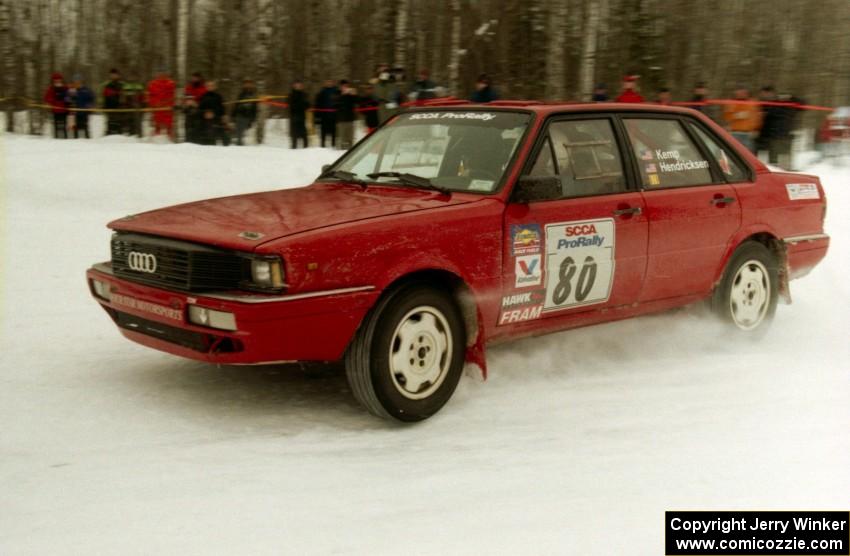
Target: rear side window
[584, 155]
[665, 154]
[731, 169]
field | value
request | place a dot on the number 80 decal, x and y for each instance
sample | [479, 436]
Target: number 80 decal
[579, 263]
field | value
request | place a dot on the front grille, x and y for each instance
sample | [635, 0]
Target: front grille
[206, 343]
[179, 265]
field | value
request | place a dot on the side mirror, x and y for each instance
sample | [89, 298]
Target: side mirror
[536, 188]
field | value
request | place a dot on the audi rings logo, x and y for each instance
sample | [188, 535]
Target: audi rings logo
[141, 262]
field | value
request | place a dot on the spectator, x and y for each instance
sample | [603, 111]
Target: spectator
[743, 118]
[160, 94]
[192, 94]
[82, 98]
[56, 96]
[700, 95]
[211, 110]
[484, 91]
[777, 124]
[325, 112]
[134, 98]
[245, 113]
[387, 91]
[345, 114]
[600, 93]
[298, 106]
[424, 88]
[369, 106]
[664, 97]
[113, 99]
[629, 93]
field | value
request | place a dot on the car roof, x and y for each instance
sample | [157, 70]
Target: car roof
[546, 108]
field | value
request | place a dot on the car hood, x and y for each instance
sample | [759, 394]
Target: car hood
[226, 221]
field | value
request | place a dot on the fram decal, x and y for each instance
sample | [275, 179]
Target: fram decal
[526, 298]
[528, 270]
[526, 239]
[797, 191]
[520, 315]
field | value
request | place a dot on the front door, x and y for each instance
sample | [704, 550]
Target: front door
[583, 248]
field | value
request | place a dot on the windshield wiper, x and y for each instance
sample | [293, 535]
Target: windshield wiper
[412, 179]
[344, 175]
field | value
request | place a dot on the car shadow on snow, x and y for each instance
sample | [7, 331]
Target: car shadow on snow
[288, 398]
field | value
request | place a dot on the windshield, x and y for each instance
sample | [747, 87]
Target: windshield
[455, 150]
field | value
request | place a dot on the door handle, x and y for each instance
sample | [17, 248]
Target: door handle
[723, 200]
[625, 211]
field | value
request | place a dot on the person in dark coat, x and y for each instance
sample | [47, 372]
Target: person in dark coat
[700, 95]
[600, 93]
[298, 106]
[424, 88]
[83, 98]
[780, 116]
[192, 93]
[245, 113]
[113, 98]
[346, 114]
[484, 91]
[211, 110]
[369, 106]
[56, 96]
[325, 111]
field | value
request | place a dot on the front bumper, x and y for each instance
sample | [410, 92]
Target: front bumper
[315, 326]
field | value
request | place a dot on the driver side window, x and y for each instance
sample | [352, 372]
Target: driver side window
[585, 157]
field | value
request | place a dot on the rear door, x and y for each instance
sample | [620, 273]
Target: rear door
[692, 211]
[583, 249]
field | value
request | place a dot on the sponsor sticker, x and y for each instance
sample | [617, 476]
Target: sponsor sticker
[480, 185]
[654, 179]
[646, 154]
[535, 297]
[483, 116]
[529, 271]
[147, 307]
[651, 169]
[521, 315]
[579, 263]
[798, 191]
[526, 239]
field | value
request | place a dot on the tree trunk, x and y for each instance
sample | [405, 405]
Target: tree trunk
[588, 53]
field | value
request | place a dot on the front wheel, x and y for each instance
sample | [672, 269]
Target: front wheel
[407, 357]
[747, 294]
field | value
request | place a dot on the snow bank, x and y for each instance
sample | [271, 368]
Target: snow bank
[577, 443]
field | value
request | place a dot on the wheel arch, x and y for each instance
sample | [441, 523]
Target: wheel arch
[463, 297]
[775, 245]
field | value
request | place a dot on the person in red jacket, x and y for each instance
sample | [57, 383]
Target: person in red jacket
[195, 89]
[629, 93]
[160, 94]
[57, 97]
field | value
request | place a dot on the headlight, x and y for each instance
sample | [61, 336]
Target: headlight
[211, 318]
[267, 273]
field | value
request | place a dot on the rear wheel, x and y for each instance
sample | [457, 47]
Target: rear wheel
[747, 294]
[407, 357]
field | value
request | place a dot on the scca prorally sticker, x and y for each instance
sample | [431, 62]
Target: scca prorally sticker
[579, 263]
[483, 116]
[529, 271]
[798, 191]
[526, 239]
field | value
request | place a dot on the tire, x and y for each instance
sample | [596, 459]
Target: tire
[747, 294]
[407, 357]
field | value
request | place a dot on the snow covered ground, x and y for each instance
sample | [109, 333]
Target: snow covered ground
[576, 444]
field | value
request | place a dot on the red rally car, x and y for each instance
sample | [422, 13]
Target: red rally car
[454, 226]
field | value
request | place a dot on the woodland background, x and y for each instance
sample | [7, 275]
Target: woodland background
[541, 49]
